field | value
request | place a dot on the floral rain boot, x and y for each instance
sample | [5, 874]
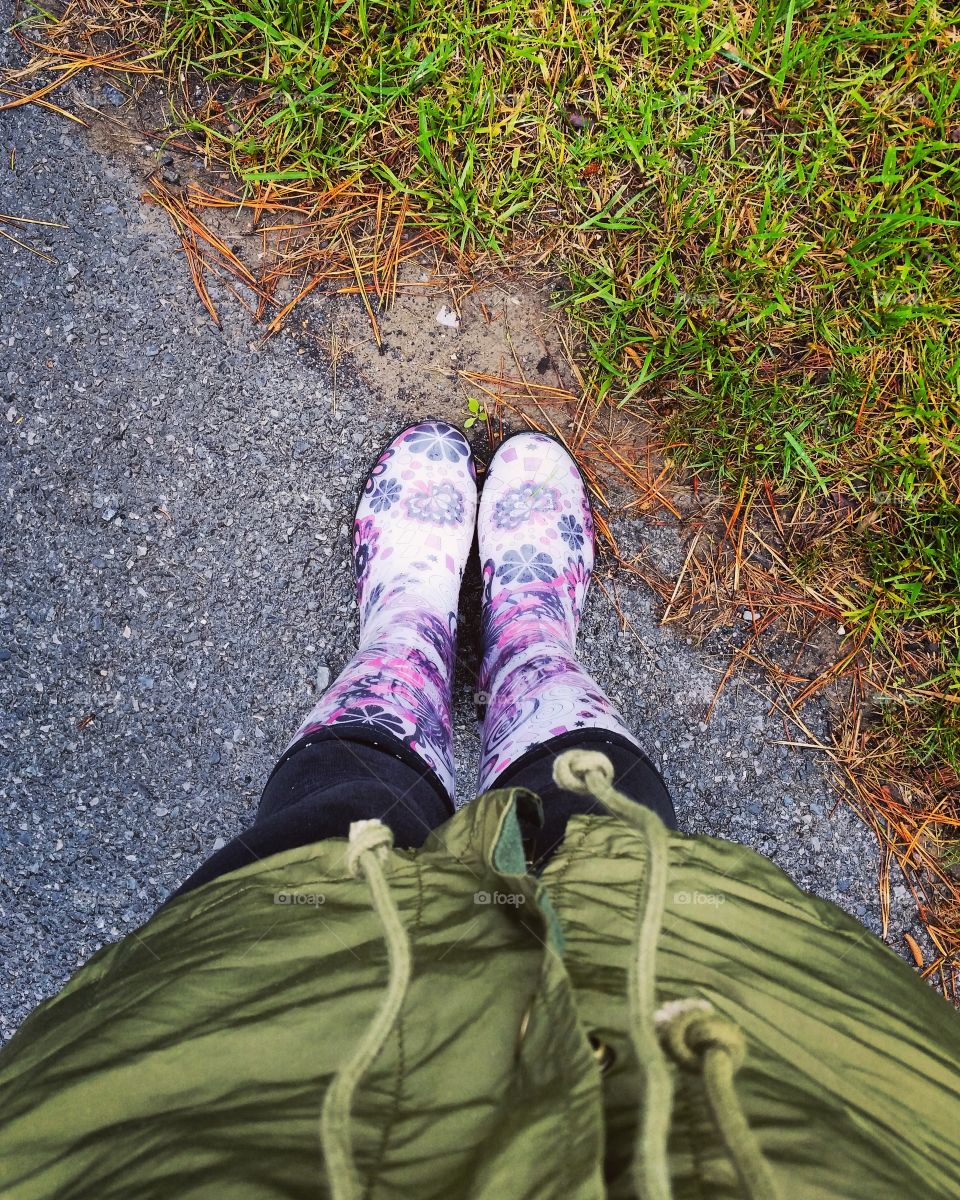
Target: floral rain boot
[536, 546]
[411, 537]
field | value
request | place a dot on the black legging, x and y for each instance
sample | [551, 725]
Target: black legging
[325, 782]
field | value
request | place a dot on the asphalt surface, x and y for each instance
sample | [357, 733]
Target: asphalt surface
[176, 586]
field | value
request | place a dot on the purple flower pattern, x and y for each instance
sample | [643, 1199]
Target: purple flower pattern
[536, 545]
[529, 501]
[368, 713]
[571, 531]
[436, 503]
[384, 494]
[411, 537]
[438, 442]
[524, 565]
[365, 538]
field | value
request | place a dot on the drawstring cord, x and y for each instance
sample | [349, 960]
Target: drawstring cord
[590, 773]
[697, 1037]
[691, 1031]
[369, 844]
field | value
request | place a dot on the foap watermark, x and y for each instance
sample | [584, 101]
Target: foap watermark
[514, 899]
[696, 299]
[707, 899]
[90, 898]
[300, 899]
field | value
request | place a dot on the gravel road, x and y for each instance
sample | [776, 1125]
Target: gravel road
[175, 587]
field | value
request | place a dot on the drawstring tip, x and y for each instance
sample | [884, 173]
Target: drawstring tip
[572, 771]
[364, 836]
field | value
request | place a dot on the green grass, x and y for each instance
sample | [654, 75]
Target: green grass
[757, 209]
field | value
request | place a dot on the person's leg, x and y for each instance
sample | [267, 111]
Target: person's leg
[378, 744]
[319, 788]
[412, 535]
[536, 548]
[634, 775]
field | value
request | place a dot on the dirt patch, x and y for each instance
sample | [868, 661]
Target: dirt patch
[432, 338]
[438, 326]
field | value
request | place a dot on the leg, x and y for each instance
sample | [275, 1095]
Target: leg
[536, 545]
[411, 538]
[379, 742]
[634, 775]
[319, 788]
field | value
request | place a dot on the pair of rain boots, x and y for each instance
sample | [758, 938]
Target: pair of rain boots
[411, 538]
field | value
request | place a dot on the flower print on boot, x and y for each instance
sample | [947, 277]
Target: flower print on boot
[536, 539]
[411, 537]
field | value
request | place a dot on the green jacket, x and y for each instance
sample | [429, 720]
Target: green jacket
[194, 1058]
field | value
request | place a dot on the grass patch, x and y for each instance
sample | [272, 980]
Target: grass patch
[756, 209]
